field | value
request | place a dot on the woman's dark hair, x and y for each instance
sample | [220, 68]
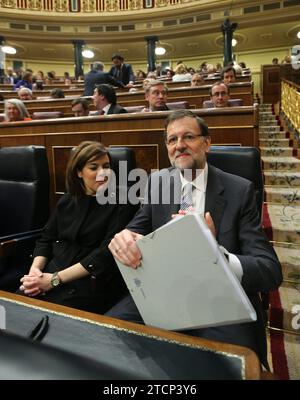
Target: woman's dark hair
[57, 93]
[80, 155]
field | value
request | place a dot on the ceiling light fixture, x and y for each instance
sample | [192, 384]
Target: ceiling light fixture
[160, 51]
[8, 50]
[298, 34]
[88, 53]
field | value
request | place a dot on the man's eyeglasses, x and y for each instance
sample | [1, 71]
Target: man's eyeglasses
[222, 94]
[188, 139]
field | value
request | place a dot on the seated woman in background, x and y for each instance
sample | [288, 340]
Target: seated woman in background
[72, 265]
[181, 74]
[15, 110]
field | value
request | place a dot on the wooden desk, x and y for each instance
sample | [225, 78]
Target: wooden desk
[147, 352]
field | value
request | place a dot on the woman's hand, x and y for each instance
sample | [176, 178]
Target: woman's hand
[36, 283]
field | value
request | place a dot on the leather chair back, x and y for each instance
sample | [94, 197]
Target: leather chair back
[122, 154]
[134, 109]
[178, 105]
[231, 102]
[47, 114]
[24, 189]
[241, 161]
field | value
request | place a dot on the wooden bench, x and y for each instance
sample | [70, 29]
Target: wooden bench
[141, 131]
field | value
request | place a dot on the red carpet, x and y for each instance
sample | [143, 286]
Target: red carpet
[279, 360]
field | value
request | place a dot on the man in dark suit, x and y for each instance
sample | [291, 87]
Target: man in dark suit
[97, 76]
[121, 71]
[228, 205]
[105, 100]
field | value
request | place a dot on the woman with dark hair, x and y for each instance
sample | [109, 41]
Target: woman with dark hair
[72, 265]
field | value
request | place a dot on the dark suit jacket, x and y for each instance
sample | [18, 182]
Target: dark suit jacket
[231, 202]
[80, 232]
[127, 73]
[116, 109]
[97, 77]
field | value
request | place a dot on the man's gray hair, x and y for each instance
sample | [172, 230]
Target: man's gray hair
[180, 114]
[155, 82]
[98, 66]
[25, 89]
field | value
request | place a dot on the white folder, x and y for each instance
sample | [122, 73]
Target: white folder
[184, 281]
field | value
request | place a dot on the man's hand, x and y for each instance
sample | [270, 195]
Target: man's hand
[208, 219]
[124, 248]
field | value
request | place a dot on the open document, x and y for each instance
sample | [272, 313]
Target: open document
[184, 281]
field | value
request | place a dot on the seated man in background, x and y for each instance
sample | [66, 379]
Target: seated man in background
[197, 80]
[80, 107]
[228, 75]
[156, 93]
[25, 94]
[228, 204]
[105, 100]
[219, 95]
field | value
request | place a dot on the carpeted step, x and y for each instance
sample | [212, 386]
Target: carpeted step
[289, 164]
[278, 195]
[282, 315]
[282, 178]
[269, 128]
[273, 135]
[289, 257]
[276, 151]
[273, 142]
[282, 223]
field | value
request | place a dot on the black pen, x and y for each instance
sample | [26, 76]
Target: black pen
[40, 330]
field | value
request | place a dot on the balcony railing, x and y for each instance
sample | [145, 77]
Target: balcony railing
[88, 6]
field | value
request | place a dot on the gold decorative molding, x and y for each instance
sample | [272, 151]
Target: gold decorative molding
[61, 6]
[8, 3]
[290, 103]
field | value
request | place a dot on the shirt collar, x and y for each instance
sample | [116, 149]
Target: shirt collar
[106, 108]
[200, 182]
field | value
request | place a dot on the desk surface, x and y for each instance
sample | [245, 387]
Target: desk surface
[145, 352]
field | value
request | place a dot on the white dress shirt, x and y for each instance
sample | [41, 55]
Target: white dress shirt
[200, 183]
